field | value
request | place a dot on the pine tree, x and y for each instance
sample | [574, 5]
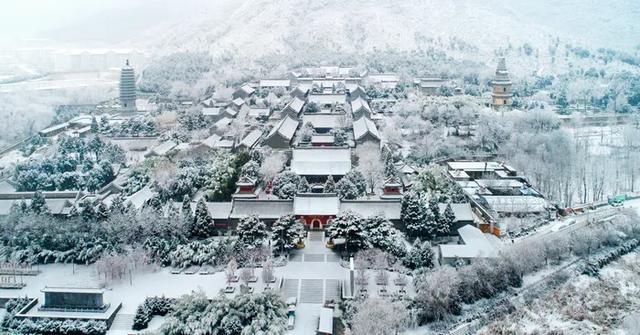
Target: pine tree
[421, 255]
[94, 124]
[303, 185]
[186, 214]
[251, 231]
[433, 217]
[381, 234]
[358, 180]
[446, 221]
[413, 214]
[285, 185]
[88, 212]
[346, 189]
[285, 233]
[329, 185]
[102, 212]
[202, 223]
[38, 204]
[350, 226]
[117, 205]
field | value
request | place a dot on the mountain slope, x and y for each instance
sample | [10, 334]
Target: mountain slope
[257, 27]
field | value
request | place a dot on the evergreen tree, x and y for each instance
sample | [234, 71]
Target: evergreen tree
[88, 212]
[381, 234]
[350, 226]
[202, 222]
[433, 217]
[117, 205]
[285, 232]
[185, 212]
[102, 212]
[303, 186]
[285, 185]
[329, 185]
[420, 256]
[358, 180]
[38, 203]
[251, 231]
[446, 221]
[413, 214]
[94, 124]
[346, 189]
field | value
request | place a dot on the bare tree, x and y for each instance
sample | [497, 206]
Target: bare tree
[381, 317]
[230, 271]
[370, 164]
[272, 165]
[267, 272]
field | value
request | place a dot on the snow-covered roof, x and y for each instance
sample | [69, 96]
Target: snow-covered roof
[238, 102]
[275, 83]
[211, 111]
[89, 290]
[431, 82]
[384, 77]
[139, 198]
[474, 166]
[295, 105]
[323, 120]
[217, 210]
[265, 209]
[164, 147]
[225, 121]
[360, 103]
[364, 126]
[325, 324]
[55, 206]
[316, 204]
[211, 140]
[323, 138]
[327, 99]
[366, 208]
[458, 174]
[247, 89]
[499, 183]
[251, 139]
[303, 87]
[286, 128]
[255, 112]
[224, 143]
[476, 245]
[321, 161]
[516, 204]
[54, 128]
[462, 211]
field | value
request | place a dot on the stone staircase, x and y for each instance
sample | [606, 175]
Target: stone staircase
[122, 322]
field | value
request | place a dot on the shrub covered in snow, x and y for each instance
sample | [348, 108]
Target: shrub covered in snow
[56, 327]
[593, 264]
[262, 313]
[149, 308]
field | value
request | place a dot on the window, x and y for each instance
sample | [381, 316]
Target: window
[504, 89]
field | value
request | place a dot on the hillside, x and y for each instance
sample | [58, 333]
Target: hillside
[258, 27]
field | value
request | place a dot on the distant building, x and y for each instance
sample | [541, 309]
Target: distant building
[430, 86]
[128, 88]
[281, 135]
[318, 163]
[359, 108]
[364, 130]
[243, 92]
[501, 95]
[473, 244]
[67, 303]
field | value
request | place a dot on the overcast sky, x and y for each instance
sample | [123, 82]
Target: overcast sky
[99, 19]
